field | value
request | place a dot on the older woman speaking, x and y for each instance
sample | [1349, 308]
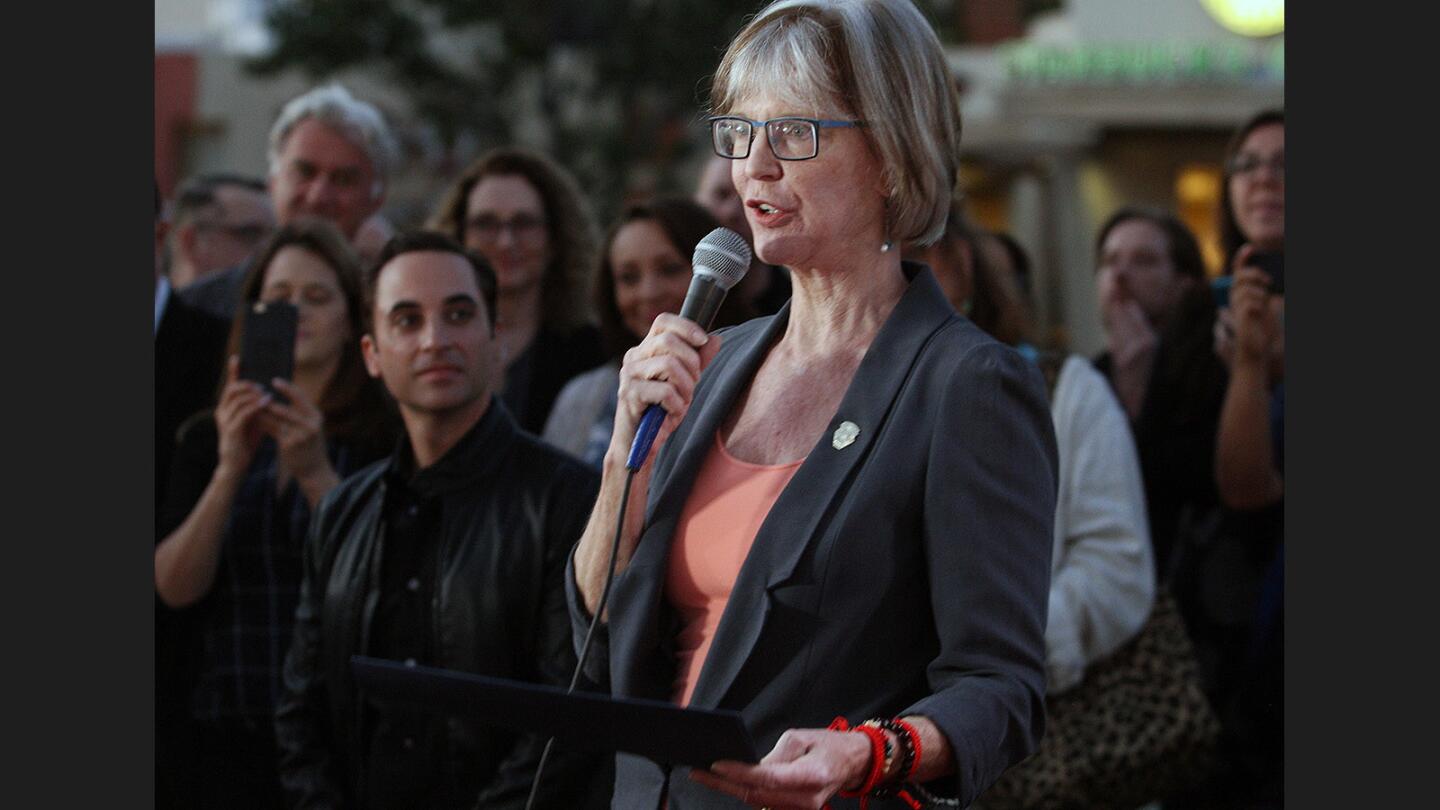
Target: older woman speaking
[849, 516]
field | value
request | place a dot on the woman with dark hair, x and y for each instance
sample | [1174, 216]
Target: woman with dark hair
[1157, 312]
[843, 528]
[962, 265]
[1250, 460]
[644, 270]
[525, 214]
[1252, 200]
[243, 484]
[1249, 333]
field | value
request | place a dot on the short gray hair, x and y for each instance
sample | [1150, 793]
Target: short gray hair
[360, 122]
[881, 61]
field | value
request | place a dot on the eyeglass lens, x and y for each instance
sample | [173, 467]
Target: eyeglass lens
[792, 139]
[732, 137]
[789, 139]
[1248, 162]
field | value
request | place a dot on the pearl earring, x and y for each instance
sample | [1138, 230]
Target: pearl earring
[886, 245]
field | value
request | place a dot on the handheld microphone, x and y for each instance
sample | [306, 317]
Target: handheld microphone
[721, 260]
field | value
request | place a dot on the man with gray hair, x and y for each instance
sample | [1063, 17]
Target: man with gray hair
[331, 156]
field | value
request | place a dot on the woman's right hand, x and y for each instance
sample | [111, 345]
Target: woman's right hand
[1131, 341]
[1251, 329]
[663, 369]
[240, 402]
[1129, 336]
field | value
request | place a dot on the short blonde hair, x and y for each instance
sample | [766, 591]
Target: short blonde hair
[881, 61]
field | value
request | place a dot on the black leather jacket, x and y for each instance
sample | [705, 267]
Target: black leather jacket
[512, 508]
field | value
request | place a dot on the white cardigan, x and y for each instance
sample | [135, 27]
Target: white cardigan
[1102, 574]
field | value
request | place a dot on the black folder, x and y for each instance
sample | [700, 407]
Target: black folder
[584, 721]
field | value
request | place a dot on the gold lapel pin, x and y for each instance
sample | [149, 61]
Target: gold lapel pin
[844, 435]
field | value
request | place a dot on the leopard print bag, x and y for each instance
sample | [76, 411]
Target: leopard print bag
[1138, 727]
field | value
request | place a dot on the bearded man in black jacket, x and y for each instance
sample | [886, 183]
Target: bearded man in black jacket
[450, 554]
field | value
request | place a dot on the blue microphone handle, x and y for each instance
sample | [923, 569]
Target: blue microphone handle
[650, 422]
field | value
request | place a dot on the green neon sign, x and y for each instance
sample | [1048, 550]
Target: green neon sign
[1142, 64]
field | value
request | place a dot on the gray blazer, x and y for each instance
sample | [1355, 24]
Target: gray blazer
[904, 573]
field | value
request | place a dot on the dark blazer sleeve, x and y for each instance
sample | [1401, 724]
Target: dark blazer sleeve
[568, 776]
[302, 718]
[597, 661]
[989, 516]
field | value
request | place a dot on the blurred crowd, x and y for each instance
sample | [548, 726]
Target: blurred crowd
[412, 488]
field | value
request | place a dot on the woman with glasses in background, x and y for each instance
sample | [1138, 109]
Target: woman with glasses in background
[1247, 643]
[525, 214]
[849, 513]
[644, 270]
[1252, 231]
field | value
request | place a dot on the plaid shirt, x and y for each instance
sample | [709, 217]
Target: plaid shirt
[247, 618]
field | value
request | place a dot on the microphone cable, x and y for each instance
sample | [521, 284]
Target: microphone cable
[590, 633]
[721, 259]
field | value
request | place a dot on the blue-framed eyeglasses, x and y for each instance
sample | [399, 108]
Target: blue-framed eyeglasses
[790, 137]
[1249, 162]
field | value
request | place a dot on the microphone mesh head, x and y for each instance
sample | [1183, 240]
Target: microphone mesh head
[724, 256]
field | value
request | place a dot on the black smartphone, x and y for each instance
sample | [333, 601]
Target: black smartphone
[1274, 266]
[267, 346]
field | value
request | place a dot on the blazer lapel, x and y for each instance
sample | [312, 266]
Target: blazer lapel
[802, 511]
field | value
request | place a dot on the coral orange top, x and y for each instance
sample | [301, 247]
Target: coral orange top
[728, 503]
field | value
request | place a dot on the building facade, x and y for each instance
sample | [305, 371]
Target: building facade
[1099, 104]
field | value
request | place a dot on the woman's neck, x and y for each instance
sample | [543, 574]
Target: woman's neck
[841, 309]
[517, 321]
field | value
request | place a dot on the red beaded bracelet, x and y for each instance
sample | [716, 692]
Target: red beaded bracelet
[881, 752]
[914, 746]
[879, 755]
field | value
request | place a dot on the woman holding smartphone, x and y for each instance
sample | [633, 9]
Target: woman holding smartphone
[1249, 332]
[243, 484]
[1249, 338]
